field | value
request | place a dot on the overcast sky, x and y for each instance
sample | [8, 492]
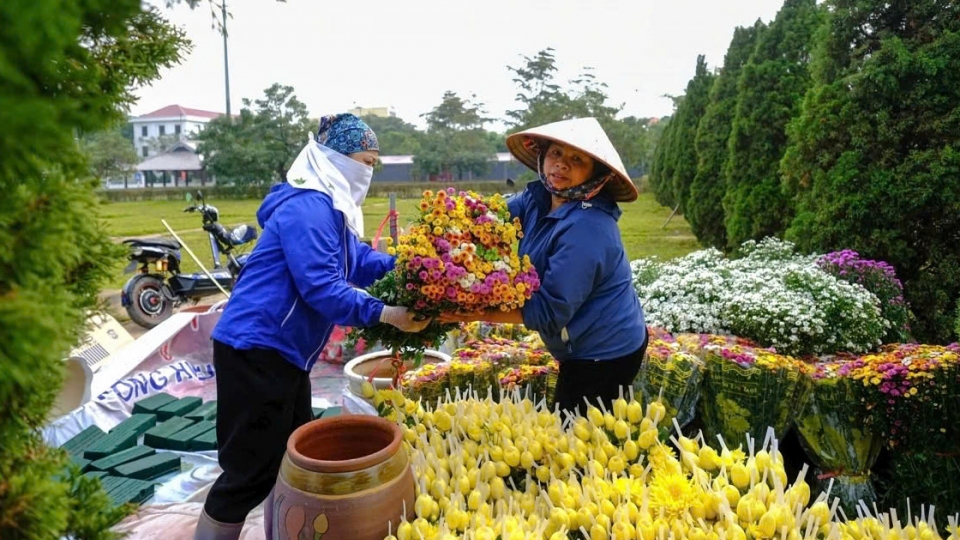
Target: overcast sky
[405, 54]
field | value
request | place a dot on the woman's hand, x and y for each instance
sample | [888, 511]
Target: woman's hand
[403, 319]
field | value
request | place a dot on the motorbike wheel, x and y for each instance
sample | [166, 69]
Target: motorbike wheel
[148, 305]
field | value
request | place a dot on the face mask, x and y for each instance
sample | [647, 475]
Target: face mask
[583, 192]
[357, 174]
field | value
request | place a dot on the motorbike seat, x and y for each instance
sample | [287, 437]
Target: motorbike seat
[156, 242]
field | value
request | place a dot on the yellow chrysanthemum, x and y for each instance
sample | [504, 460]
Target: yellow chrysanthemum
[673, 494]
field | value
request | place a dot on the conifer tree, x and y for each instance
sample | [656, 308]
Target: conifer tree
[687, 119]
[874, 158]
[704, 210]
[770, 92]
[661, 170]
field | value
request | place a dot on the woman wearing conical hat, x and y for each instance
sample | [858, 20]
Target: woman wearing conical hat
[586, 309]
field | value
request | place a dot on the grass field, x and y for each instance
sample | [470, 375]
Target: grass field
[639, 225]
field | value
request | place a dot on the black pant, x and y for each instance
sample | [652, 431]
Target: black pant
[596, 380]
[261, 400]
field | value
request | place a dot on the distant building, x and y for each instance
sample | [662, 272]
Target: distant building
[180, 166]
[402, 169]
[383, 112]
[171, 121]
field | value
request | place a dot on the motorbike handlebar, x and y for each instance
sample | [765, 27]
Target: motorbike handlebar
[219, 231]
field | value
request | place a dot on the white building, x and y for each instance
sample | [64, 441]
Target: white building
[170, 121]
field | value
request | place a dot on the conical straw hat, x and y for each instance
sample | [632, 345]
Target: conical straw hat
[584, 134]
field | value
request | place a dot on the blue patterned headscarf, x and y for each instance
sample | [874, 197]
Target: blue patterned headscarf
[346, 134]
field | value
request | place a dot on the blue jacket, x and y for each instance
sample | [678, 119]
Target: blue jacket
[586, 308]
[296, 285]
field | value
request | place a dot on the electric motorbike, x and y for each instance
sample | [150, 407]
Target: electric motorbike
[160, 286]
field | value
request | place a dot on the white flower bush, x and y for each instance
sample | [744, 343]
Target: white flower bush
[770, 294]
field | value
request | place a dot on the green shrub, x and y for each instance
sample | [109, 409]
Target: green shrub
[874, 156]
[65, 68]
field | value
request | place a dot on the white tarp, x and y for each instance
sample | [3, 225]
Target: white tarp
[178, 521]
[176, 357]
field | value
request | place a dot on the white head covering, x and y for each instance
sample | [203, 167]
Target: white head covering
[345, 180]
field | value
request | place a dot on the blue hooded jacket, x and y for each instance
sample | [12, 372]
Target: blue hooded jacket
[586, 308]
[296, 285]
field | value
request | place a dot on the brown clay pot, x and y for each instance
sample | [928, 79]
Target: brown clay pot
[343, 478]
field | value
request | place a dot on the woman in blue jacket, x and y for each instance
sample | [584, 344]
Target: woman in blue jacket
[586, 310]
[297, 284]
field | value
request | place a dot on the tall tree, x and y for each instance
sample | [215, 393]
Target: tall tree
[259, 145]
[455, 139]
[233, 151]
[661, 170]
[770, 93]
[538, 91]
[704, 210]
[455, 114]
[687, 119]
[282, 124]
[874, 158]
[110, 155]
[636, 139]
[544, 100]
[396, 137]
[65, 68]
[588, 97]
[498, 140]
[127, 131]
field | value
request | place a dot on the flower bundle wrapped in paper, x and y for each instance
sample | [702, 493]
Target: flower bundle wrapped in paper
[534, 382]
[428, 382]
[658, 332]
[505, 352]
[747, 389]
[478, 330]
[473, 374]
[829, 420]
[457, 256]
[672, 375]
[911, 394]
[698, 343]
[477, 364]
[499, 351]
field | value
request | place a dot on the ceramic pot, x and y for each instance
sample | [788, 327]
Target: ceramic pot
[343, 478]
[360, 368]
